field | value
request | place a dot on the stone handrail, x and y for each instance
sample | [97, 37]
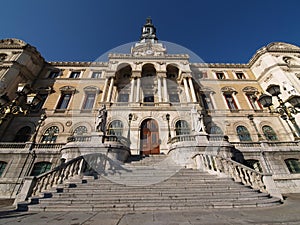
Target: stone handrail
[180, 138]
[34, 185]
[9, 145]
[265, 144]
[79, 138]
[239, 172]
[217, 137]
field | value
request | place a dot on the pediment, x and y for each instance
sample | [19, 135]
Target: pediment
[12, 42]
[279, 46]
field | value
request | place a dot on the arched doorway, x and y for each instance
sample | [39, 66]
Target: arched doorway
[149, 137]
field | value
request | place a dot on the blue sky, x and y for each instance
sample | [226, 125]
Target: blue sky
[217, 31]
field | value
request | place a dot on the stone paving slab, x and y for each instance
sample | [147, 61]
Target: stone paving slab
[288, 213]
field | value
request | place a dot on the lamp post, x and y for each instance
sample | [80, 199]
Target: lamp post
[21, 104]
[130, 116]
[169, 130]
[286, 112]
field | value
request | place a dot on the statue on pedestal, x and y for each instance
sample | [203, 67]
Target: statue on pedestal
[197, 121]
[101, 119]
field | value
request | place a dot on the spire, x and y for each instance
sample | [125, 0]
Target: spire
[148, 32]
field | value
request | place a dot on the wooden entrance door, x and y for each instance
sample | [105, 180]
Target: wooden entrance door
[149, 137]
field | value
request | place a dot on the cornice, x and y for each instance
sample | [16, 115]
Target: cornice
[78, 64]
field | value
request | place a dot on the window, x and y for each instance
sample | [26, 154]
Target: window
[254, 164]
[269, 133]
[54, 74]
[50, 135]
[40, 167]
[201, 75]
[243, 133]
[23, 134]
[206, 101]
[182, 127]
[81, 130]
[75, 74]
[123, 97]
[293, 165]
[96, 74]
[41, 103]
[216, 130]
[115, 128]
[174, 97]
[149, 98]
[230, 101]
[240, 75]
[253, 100]
[220, 75]
[64, 101]
[2, 167]
[89, 101]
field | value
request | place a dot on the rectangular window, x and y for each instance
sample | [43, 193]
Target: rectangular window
[41, 103]
[54, 74]
[230, 102]
[201, 75]
[174, 97]
[64, 101]
[206, 101]
[123, 97]
[240, 75]
[220, 75]
[75, 74]
[89, 101]
[253, 102]
[97, 74]
[149, 98]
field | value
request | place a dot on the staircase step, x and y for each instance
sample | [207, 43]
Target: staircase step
[150, 183]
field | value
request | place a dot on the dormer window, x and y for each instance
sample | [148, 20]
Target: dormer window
[75, 74]
[240, 75]
[220, 75]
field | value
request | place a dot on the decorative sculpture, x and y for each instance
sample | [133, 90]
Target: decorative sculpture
[101, 119]
[197, 121]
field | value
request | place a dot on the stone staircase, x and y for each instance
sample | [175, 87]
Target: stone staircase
[151, 183]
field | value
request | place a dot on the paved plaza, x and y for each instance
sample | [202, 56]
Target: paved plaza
[287, 213]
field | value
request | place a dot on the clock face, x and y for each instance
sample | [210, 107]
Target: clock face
[149, 52]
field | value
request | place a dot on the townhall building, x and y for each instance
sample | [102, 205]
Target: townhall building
[148, 102]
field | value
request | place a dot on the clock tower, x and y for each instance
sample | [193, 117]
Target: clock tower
[148, 44]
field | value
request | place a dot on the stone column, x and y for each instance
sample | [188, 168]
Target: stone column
[192, 90]
[104, 90]
[138, 85]
[110, 89]
[166, 96]
[132, 90]
[159, 89]
[186, 88]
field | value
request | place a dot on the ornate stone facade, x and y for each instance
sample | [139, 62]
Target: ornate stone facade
[149, 95]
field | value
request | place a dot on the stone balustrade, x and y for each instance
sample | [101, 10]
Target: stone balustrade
[239, 172]
[33, 186]
[181, 138]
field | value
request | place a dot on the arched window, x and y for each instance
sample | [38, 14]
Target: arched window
[40, 167]
[182, 127]
[81, 130]
[216, 130]
[115, 128]
[50, 135]
[243, 133]
[254, 164]
[293, 165]
[23, 134]
[2, 167]
[269, 133]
